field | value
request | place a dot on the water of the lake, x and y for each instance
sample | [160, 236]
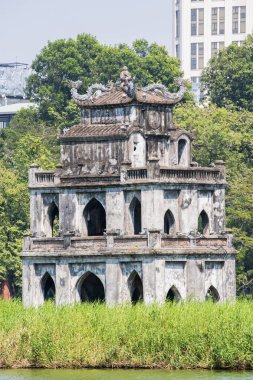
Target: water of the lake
[85, 374]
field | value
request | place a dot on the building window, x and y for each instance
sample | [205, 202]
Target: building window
[197, 22]
[178, 51]
[177, 24]
[216, 46]
[197, 56]
[239, 20]
[218, 20]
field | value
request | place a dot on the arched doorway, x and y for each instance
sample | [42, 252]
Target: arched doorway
[173, 295]
[91, 288]
[135, 209]
[53, 214]
[48, 287]
[95, 218]
[212, 294]
[169, 223]
[135, 287]
[203, 223]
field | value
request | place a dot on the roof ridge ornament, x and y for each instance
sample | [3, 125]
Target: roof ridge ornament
[93, 92]
[160, 89]
[127, 82]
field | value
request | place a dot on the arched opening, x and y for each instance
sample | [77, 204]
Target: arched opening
[135, 287]
[182, 153]
[169, 223]
[91, 288]
[173, 295]
[53, 214]
[95, 218]
[48, 287]
[203, 223]
[135, 209]
[212, 294]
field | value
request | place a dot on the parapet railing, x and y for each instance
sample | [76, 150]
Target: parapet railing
[154, 240]
[194, 173]
[152, 172]
[44, 177]
[141, 173]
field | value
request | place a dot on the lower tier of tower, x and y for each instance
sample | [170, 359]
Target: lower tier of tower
[112, 278]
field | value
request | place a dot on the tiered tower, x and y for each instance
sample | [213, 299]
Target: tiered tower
[127, 215]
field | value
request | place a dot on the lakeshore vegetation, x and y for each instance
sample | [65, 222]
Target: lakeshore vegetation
[173, 336]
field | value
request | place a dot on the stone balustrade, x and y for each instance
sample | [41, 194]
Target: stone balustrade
[153, 172]
[152, 241]
[44, 177]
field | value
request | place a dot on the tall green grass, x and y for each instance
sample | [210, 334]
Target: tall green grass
[185, 335]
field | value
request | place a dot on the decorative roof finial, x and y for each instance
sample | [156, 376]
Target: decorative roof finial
[127, 84]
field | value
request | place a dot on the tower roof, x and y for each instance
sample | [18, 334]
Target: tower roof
[125, 92]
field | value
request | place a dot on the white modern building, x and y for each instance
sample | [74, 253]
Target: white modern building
[199, 28]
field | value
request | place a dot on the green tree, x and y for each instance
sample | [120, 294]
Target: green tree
[228, 135]
[228, 79]
[28, 140]
[14, 215]
[88, 60]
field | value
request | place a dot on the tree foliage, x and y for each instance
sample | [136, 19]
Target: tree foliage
[228, 79]
[88, 60]
[14, 201]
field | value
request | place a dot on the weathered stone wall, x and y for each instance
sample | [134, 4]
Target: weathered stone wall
[185, 203]
[188, 276]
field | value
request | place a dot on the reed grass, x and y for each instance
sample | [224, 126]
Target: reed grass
[184, 335]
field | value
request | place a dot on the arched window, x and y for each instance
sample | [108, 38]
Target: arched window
[91, 288]
[169, 223]
[48, 287]
[95, 218]
[203, 223]
[173, 295]
[212, 294]
[182, 152]
[53, 214]
[135, 209]
[135, 287]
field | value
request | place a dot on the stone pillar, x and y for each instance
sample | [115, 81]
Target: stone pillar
[31, 175]
[219, 210]
[123, 170]
[148, 280]
[160, 280]
[153, 215]
[229, 282]
[114, 210]
[153, 168]
[62, 284]
[195, 275]
[112, 282]
[68, 213]
[188, 210]
[28, 284]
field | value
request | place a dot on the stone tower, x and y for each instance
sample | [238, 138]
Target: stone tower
[127, 215]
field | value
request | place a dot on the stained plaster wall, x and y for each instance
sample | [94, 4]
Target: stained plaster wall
[191, 276]
[185, 203]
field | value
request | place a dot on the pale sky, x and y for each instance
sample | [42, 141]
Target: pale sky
[27, 25]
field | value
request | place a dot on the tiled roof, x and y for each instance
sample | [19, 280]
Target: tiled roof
[113, 97]
[117, 96]
[98, 131]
